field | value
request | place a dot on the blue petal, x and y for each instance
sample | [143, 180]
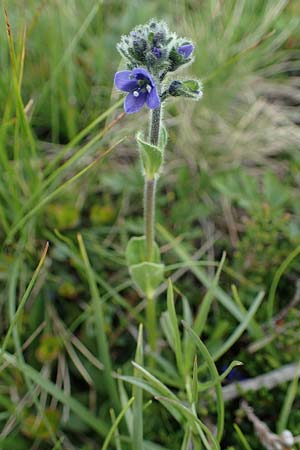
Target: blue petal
[153, 100]
[134, 104]
[186, 50]
[157, 52]
[141, 73]
[124, 82]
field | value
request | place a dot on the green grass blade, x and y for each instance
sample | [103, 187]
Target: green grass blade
[288, 403]
[12, 301]
[175, 329]
[201, 275]
[53, 194]
[215, 378]
[124, 400]
[137, 392]
[186, 443]
[147, 387]
[103, 347]
[257, 329]
[209, 384]
[240, 329]
[80, 136]
[72, 46]
[241, 437]
[16, 88]
[282, 268]
[193, 420]
[115, 424]
[195, 383]
[153, 381]
[94, 422]
[201, 317]
[117, 437]
[202, 314]
[24, 300]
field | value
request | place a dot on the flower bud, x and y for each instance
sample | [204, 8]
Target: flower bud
[180, 54]
[139, 46]
[186, 88]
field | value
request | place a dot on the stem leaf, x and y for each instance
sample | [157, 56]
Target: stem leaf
[151, 157]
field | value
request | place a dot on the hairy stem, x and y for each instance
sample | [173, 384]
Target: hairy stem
[150, 188]
[149, 223]
[155, 126]
[149, 215]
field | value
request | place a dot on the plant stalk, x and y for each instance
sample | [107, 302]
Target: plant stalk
[150, 188]
[151, 322]
[149, 216]
[149, 224]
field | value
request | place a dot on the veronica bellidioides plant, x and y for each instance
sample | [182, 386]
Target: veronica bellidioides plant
[152, 53]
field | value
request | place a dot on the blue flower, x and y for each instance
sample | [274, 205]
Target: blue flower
[140, 87]
[186, 50]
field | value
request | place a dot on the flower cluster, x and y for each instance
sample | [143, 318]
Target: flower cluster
[154, 47]
[151, 51]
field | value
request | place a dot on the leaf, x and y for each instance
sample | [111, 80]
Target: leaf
[174, 328]
[147, 276]
[209, 384]
[163, 137]
[151, 157]
[153, 390]
[136, 251]
[153, 381]
[167, 329]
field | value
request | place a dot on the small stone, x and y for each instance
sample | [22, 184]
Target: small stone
[287, 438]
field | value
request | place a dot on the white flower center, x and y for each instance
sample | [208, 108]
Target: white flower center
[135, 93]
[148, 88]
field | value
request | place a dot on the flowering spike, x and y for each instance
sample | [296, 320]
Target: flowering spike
[151, 52]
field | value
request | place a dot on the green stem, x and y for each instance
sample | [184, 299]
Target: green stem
[155, 125]
[151, 323]
[149, 224]
[150, 188]
[149, 216]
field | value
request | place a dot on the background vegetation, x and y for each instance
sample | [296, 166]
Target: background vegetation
[70, 176]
